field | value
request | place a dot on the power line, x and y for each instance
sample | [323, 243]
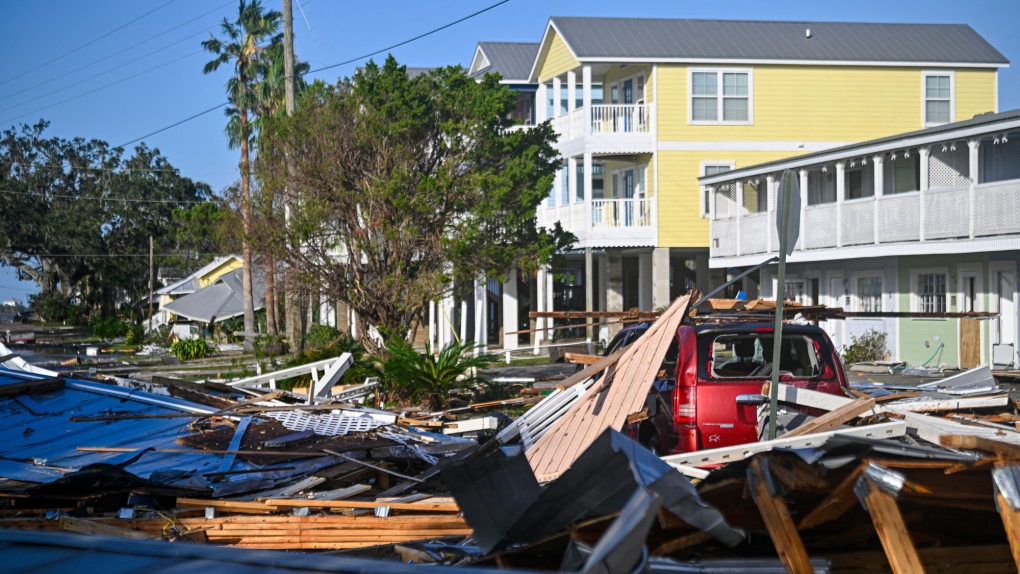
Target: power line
[109, 169]
[65, 54]
[420, 36]
[103, 87]
[110, 198]
[147, 40]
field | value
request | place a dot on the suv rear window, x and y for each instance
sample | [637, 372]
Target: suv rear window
[749, 355]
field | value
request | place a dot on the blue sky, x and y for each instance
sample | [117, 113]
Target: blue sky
[160, 82]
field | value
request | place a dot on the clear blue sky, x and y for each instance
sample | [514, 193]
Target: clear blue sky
[167, 86]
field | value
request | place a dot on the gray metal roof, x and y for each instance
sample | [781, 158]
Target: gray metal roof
[512, 60]
[222, 299]
[657, 38]
[948, 131]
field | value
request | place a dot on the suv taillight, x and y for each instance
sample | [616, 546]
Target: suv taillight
[686, 411]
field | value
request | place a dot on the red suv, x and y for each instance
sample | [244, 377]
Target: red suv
[711, 399]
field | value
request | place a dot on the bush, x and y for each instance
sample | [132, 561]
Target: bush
[322, 336]
[108, 327]
[135, 334]
[185, 349]
[55, 307]
[426, 379]
[870, 346]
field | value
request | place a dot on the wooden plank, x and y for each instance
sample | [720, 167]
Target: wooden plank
[631, 314]
[980, 443]
[591, 371]
[970, 343]
[778, 522]
[892, 531]
[741, 452]
[227, 505]
[580, 359]
[839, 502]
[681, 543]
[29, 387]
[99, 529]
[1011, 522]
[833, 419]
[416, 506]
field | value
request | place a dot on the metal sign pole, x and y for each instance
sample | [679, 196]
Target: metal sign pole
[789, 193]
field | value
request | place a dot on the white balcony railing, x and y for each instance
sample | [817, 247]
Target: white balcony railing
[621, 213]
[972, 212]
[620, 118]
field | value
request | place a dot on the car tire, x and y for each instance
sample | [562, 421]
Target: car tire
[655, 445]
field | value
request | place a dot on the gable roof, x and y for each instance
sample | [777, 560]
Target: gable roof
[658, 40]
[223, 299]
[190, 284]
[512, 60]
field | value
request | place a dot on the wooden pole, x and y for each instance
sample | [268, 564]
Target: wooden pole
[150, 284]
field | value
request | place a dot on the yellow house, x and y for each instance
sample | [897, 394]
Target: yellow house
[644, 107]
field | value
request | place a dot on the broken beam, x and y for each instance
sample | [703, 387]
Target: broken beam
[777, 520]
[891, 529]
[833, 419]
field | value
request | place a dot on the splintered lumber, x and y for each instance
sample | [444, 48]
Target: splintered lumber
[417, 506]
[99, 529]
[620, 392]
[838, 503]
[681, 543]
[1011, 522]
[833, 419]
[592, 370]
[777, 519]
[580, 359]
[228, 505]
[892, 530]
[980, 443]
[631, 314]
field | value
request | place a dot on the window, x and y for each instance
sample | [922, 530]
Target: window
[939, 88]
[903, 172]
[721, 96]
[930, 292]
[749, 355]
[706, 195]
[860, 181]
[868, 294]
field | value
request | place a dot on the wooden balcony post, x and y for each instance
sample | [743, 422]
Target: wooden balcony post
[975, 146]
[879, 162]
[557, 86]
[586, 102]
[541, 99]
[840, 198]
[770, 208]
[571, 102]
[739, 196]
[922, 193]
[588, 168]
[803, 203]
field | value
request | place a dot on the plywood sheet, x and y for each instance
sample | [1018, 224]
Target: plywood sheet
[970, 343]
[620, 392]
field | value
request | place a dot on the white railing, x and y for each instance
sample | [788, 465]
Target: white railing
[995, 208]
[561, 124]
[899, 217]
[858, 222]
[947, 213]
[724, 237]
[752, 233]
[820, 226]
[620, 118]
[577, 123]
[519, 127]
[621, 213]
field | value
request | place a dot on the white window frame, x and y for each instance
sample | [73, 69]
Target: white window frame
[706, 202]
[915, 288]
[855, 299]
[924, 96]
[719, 96]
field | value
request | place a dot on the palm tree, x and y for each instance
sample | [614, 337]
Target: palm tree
[245, 47]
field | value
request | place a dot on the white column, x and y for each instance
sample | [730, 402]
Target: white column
[588, 167]
[557, 189]
[840, 198]
[432, 324]
[974, 146]
[925, 155]
[541, 112]
[660, 277]
[803, 204]
[449, 328]
[879, 164]
[770, 208]
[463, 320]
[739, 195]
[614, 286]
[510, 311]
[602, 293]
[571, 101]
[480, 311]
[557, 86]
[540, 306]
[586, 99]
[572, 187]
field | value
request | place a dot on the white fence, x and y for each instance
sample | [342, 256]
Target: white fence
[621, 213]
[620, 118]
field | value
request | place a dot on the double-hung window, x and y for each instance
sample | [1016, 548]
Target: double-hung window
[722, 96]
[929, 292]
[868, 294]
[939, 97]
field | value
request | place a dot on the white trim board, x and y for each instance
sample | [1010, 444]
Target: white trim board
[794, 146]
[728, 61]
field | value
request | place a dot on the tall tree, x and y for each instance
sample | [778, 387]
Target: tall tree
[245, 46]
[409, 186]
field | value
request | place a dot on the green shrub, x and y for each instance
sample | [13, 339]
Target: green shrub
[108, 327]
[135, 334]
[322, 336]
[870, 346]
[427, 378]
[324, 342]
[185, 349]
[54, 307]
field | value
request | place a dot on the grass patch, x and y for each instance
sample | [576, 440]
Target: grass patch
[518, 363]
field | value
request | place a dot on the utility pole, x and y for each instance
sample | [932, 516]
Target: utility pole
[288, 53]
[289, 291]
[150, 284]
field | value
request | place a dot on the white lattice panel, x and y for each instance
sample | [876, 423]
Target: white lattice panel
[858, 221]
[327, 425]
[950, 168]
[752, 233]
[947, 213]
[725, 201]
[819, 226]
[995, 208]
[750, 196]
[898, 218]
[724, 237]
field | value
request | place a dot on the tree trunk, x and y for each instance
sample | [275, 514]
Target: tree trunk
[246, 251]
[271, 327]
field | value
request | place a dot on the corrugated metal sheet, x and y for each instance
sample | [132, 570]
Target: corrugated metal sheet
[764, 40]
[38, 441]
[512, 60]
[222, 300]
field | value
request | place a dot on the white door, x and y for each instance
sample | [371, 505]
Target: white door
[1003, 327]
